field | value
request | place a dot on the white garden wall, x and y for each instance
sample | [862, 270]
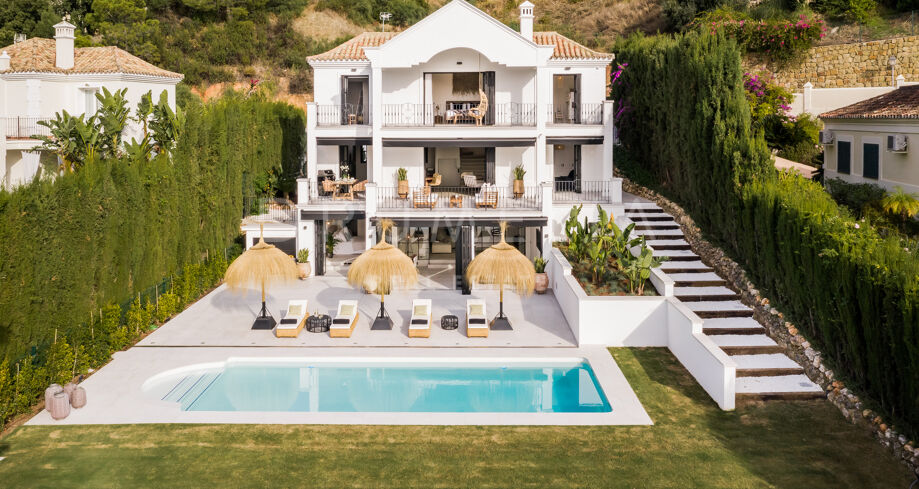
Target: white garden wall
[657, 321]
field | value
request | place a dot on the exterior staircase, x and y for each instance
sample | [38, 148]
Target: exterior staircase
[763, 370]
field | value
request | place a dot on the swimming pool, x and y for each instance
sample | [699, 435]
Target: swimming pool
[446, 385]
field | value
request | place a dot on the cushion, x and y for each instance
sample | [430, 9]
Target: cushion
[296, 310]
[476, 310]
[341, 321]
[419, 321]
[289, 321]
[347, 310]
[476, 320]
[420, 311]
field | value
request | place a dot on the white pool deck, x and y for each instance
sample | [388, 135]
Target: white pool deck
[115, 393]
[224, 318]
[217, 328]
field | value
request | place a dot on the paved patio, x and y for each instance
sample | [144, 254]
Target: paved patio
[223, 318]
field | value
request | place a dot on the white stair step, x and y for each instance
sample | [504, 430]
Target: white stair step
[669, 224]
[696, 277]
[734, 324]
[702, 291]
[633, 215]
[716, 306]
[766, 361]
[666, 242]
[791, 384]
[675, 253]
[641, 205]
[751, 340]
[682, 265]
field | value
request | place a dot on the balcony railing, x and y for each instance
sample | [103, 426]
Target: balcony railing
[588, 114]
[334, 192]
[265, 209]
[342, 115]
[582, 191]
[426, 115]
[439, 197]
[24, 127]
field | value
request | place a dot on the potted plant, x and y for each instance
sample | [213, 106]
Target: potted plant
[303, 263]
[345, 171]
[330, 242]
[519, 172]
[542, 280]
[402, 177]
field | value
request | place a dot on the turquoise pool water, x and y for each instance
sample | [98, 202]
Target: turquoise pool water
[558, 388]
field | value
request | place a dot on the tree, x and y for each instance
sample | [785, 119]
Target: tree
[900, 204]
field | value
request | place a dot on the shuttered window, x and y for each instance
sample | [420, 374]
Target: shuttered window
[844, 157]
[871, 158]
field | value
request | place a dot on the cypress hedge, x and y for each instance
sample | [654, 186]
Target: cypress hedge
[82, 251]
[853, 293]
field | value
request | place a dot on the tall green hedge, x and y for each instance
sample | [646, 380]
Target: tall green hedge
[854, 294]
[76, 243]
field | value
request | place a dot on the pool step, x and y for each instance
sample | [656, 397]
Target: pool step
[189, 388]
[784, 387]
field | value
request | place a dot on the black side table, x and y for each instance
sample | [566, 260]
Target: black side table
[449, 322]
[318, 324]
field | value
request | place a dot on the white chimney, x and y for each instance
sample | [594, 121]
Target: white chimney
[63, 42]
[4, 61]
[526, 19]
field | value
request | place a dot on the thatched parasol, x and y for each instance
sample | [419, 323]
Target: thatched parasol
[502, 264]
[381, 269]
[258, 267]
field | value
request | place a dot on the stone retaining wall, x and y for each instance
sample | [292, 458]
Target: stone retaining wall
[847, 65]
[784, 332]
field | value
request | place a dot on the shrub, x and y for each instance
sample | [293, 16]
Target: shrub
[860, 11]
[778, 39]
[854, 196]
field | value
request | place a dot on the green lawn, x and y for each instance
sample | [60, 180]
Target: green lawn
[692, 444]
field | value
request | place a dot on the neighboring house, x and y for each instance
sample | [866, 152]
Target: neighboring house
[39, 77]
[458, 99]
[875, 140]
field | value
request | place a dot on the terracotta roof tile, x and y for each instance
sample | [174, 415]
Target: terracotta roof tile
[353, 49]
[37, 55]
[902, 103]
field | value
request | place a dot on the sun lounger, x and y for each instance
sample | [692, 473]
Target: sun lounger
[476, 323]
[420, 324]
[344, 320]
[293, 320]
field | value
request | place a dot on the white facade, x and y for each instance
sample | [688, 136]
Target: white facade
[29, 95]
[384, 102]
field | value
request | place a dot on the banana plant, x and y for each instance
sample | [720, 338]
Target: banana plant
[579, 235]
[637, 268]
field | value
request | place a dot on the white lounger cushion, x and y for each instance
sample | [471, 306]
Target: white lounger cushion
[421, 310]
[346, 310]
[296, 310]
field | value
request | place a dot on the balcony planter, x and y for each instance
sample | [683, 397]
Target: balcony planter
[402, 176]
[518, 189]
[519, 172]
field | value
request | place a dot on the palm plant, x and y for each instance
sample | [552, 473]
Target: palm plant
[73, 139]
[637, 268]
[112, 116]
[519, 172]
[901, 204]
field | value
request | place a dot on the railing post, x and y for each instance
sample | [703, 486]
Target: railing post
[303, 190]
[545, 189]
[371, 195]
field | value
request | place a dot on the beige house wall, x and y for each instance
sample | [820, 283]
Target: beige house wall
[896, 169]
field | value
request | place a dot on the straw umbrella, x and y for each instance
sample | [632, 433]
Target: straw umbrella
[260, 266]
[502, 265]
[379, 270]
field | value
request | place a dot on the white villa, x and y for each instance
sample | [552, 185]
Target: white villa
[39, 77]
[458, 109]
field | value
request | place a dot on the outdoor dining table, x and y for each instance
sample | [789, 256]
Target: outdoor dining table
[343, 189]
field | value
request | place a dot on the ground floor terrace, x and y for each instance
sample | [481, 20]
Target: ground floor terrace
[691, 444]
